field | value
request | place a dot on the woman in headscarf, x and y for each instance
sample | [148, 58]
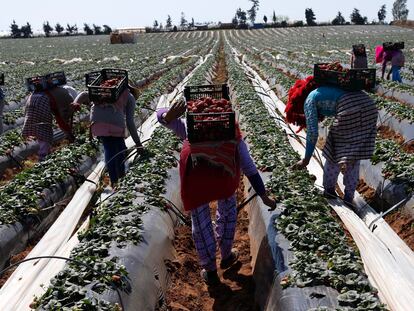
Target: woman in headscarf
[214, 176]
[351, 137]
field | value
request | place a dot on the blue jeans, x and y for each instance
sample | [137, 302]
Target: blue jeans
[115, 156]
[396, 73]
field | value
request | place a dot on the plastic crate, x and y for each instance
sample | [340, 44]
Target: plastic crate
[1, 78]
[201, 91]
[359, 50]
[56, 79]
[91, 76]
[46, 82]
[391, 46]
[99, 94]
[351, 80]
[399, 45]
[201, 130]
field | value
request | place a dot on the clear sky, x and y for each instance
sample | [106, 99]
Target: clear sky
[126, 13]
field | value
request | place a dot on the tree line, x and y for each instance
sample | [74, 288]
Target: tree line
[25, 31]
[242, 17]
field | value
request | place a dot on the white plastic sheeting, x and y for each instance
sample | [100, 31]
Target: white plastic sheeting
[398, 95]
[403, 127]
[388, 261]
[26, 281]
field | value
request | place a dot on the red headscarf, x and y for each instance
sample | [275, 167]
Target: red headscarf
[297, 95]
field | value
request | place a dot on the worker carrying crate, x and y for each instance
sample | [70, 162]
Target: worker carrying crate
[339, 94]
[49, 97]
[211, 161]
[112, 101]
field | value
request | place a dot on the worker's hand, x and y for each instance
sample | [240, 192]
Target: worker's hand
[301, 164]
[269, 202]
[176, 110]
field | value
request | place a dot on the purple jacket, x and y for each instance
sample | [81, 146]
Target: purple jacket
[178, 126]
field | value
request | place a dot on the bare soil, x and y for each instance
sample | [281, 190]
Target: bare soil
[400, 221]
[13, 260]
[403, 225]
[236, 290]
[388, 133]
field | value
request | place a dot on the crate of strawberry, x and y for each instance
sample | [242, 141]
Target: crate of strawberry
[348, 79]
[107, 86]
[46, 82]
[210, 116]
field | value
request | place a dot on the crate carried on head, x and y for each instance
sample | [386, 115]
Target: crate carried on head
[209, 113]
[107, 86]
[393, 46]
[359, 50]
[347, 79]
[1, 78]
[46, 82]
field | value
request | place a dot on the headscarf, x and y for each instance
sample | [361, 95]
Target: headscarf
[297, 96]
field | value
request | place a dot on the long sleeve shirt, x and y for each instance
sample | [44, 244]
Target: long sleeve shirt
[320, 102]
[110, 119]
[178, 126]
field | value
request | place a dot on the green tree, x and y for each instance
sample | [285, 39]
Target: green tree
[192, 24]
[399, 10]
[241, 17]
[155, 25]
[183, 21]
[253, 10]
[71, 29]
[357, 18]
[265, 19]
[310, 17]
[338, 20]
[27, 30]
[88, 30]
[97, 29]
[235, 21]
[59, 28]
[382, 13]
[168, 24]
[47, 29]
[15, 30]
[107, 30]
[274, 18]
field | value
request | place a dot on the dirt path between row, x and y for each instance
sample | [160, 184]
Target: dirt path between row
[187, 291]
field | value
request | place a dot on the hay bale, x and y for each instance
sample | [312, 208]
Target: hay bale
[115, 38]
[128, 37]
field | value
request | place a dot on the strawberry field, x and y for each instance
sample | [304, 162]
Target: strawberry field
[308, 254]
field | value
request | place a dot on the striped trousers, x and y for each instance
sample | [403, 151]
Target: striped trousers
[206, 236]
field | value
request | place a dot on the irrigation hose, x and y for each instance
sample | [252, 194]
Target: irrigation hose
[80, 263]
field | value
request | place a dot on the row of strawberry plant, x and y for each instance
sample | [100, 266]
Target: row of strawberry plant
[76, 56]
[400, 164]
[116, 225]
[322, 253]
[121, 219]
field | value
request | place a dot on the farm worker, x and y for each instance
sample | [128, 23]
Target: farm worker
[2, 102]
[359, 57]
[397, 61]
[41, 107]
[108, 124]
[212, 178]
[350, 139]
